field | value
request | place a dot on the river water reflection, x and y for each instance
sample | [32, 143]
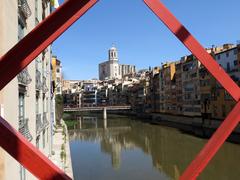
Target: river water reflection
[122, 148]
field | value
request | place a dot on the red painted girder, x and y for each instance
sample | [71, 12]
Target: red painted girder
[26, 154]
[213, 145]
[16, 60]
[24, 52]
[194, 46]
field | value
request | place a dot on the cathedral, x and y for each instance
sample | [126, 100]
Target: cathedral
[111, 69]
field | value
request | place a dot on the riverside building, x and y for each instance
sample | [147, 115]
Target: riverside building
[57, 75]
[26, 101]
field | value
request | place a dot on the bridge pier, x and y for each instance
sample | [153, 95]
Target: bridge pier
[80, 122]
[105, 124]
[104, 113]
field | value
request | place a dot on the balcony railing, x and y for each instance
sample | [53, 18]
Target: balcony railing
[24, 77]
[45, 121]
[24, 8]
[38, 80]
[39, 124]
[44, 85]
[24, 129]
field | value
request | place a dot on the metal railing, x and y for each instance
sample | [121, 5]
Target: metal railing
[45, 121]
[24, 129]
[38, 80]
[44, 85]
[24, 78]
[39, 123]
[24, 8]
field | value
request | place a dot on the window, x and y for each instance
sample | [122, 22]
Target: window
[227, 54]
[36, 12]
[43, 139]
[47, 135]
[22, 173]
[47, 105]
[58, 70]
[218, 56]
[228, 67]
[20, 30]
[235, 51]
[37, 141]
[37, 104]
[235, 63]
[43, 102]
[58, 89]
[21, 106]
[58, 79]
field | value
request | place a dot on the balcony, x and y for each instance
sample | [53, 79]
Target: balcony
[44, 85]
[24, 8]
[44, 5]
[24, 129]
[39, 124]
[38, 80]
[45, 121]
[24, 77]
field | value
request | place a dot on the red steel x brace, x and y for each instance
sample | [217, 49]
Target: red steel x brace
[14, 61]
[51, 28]
[222, 133]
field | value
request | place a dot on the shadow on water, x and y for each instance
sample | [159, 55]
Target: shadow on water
[124, 148]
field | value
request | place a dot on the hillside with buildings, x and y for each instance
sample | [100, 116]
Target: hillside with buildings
[183, 87]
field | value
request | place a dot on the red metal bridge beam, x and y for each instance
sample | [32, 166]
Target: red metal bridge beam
[222, 133]
[213, 145]
[194, 46]
[24, 52]
[14, 61]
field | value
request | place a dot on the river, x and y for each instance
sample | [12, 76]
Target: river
[123, 148]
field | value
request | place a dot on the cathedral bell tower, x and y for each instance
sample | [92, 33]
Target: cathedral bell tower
[112, 54]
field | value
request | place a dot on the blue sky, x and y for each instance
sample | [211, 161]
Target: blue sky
[141, 39]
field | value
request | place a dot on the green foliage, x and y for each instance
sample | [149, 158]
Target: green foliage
[62, 147]
[63, 154]
[70, 123]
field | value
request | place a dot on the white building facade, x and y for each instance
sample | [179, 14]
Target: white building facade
[228, 59]
[111, 69]
[26, 101]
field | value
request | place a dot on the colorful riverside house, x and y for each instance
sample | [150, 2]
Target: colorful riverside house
[178, 80]
[191, 86]
[169, 94]
[221, 102]
[161, 92]
[57, 75]
[155, 90]
[26, 101]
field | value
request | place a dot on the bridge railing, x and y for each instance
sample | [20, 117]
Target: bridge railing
[96, 108]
